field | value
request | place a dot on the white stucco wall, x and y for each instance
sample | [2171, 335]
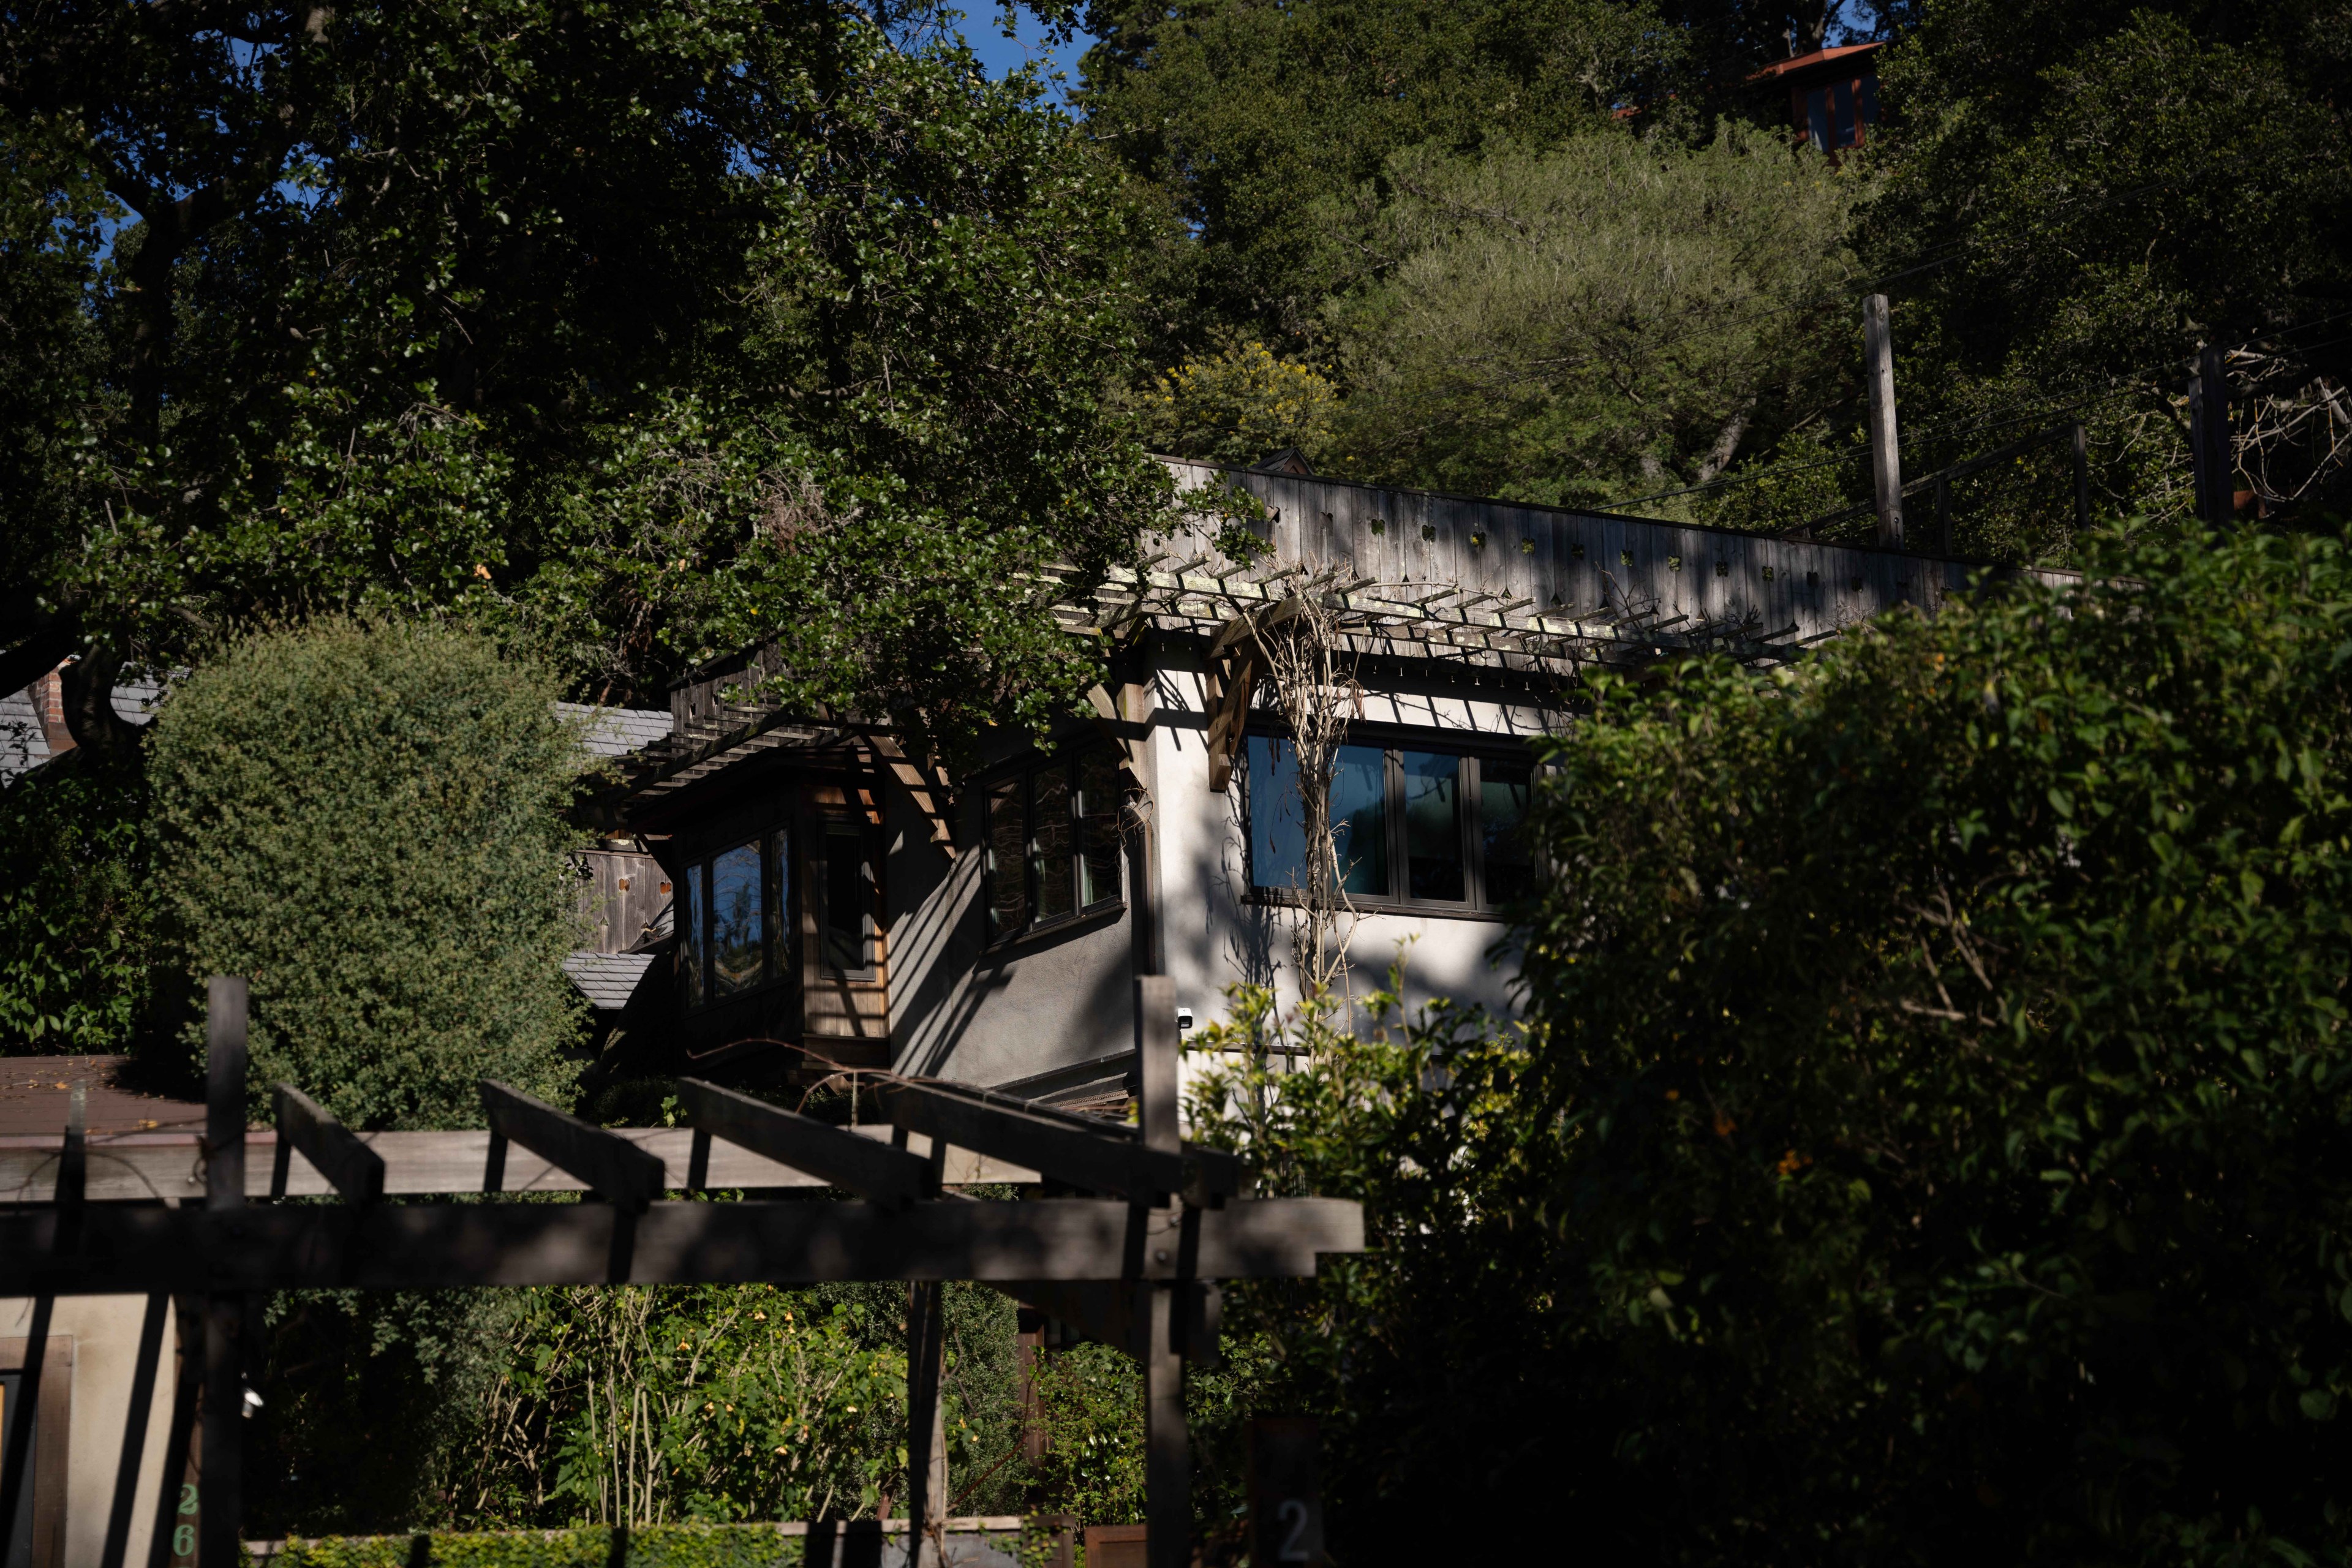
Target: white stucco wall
[1056, 1002]
[105, 1335]
[1216, 938]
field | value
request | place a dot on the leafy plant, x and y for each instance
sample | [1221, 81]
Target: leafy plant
[1091, 1398]
[1601, 318]
[76, 907]
[364, 819]
[1239, 406]
[1926, 1134]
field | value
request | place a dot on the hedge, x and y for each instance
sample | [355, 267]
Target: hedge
[649, 1546]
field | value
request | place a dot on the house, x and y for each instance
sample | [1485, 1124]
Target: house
[1833, 94]
[841, 904]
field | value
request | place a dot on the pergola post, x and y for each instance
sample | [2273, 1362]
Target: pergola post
[222, 1497]
[1168, 1453]
[927, 1434]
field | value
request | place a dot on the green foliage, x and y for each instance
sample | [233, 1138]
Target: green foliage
[364, 818]
[76, 910]
[654, 330]
[1928, 1140]
[1249, 120]
[2081, 188]
[371, 1421]
[549, 1407]
[697, 1403]
[654, 1546]
[1091, 1400]
[1239, 406]
[1603, 318]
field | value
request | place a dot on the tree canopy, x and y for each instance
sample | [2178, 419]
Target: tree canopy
[1604, 318]
[654, 331]
[2064, 202]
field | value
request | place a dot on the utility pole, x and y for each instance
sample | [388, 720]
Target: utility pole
[1885, 462]
[2208, 437]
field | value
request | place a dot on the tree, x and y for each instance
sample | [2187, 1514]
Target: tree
[366, 821]
[76, 907]
[2077, 198]
[1608, 317]
[1246, 119]
[654, 331]
[1239, 406]
[1926, 1137]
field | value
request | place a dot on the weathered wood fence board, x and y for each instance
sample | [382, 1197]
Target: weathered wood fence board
[131, 1167]
[119, 1248]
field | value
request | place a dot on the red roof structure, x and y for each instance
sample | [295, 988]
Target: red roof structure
[1833, 94]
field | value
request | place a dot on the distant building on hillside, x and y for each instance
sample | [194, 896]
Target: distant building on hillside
[1833, 94]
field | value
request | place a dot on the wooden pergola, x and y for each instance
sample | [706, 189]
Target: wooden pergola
[1130, 1255]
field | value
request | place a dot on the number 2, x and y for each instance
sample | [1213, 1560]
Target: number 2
[1293, 1514]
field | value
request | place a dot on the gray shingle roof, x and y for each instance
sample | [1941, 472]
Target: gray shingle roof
[617, 731]
[22, 745]
[607, 979]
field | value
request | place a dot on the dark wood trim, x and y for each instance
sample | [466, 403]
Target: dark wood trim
[1093, 1160]
[839, 1157]
[334, 1149]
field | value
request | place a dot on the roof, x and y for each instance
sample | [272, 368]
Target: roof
[24, 744]
[617, 731]
[607, 979]
[1795, 65]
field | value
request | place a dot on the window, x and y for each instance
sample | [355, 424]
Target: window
[729, 920]
[1053, 840]
[739, 920]
[1414, 828]
[1358, 805]
[690, 945]
[845, 924]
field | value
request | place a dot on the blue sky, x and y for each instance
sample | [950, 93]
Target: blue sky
[1001, 54]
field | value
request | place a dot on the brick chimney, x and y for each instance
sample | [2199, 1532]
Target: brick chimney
[49, 701]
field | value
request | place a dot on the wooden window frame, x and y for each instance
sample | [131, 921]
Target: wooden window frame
[1023, 776]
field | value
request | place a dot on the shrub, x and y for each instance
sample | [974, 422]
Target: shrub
[75, 907]
[364, 818]
[1929, 1138]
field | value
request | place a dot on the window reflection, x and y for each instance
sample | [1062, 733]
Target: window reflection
[738, 922]
[1277, 844]
[849, 900]
[1503, 795]
[1008, 840]
[1098, 800]
[1359, 817]
[687, 920]
[1432, 826]
[1050, 843]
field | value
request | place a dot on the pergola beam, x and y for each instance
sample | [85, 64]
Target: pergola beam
[128, 1249]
